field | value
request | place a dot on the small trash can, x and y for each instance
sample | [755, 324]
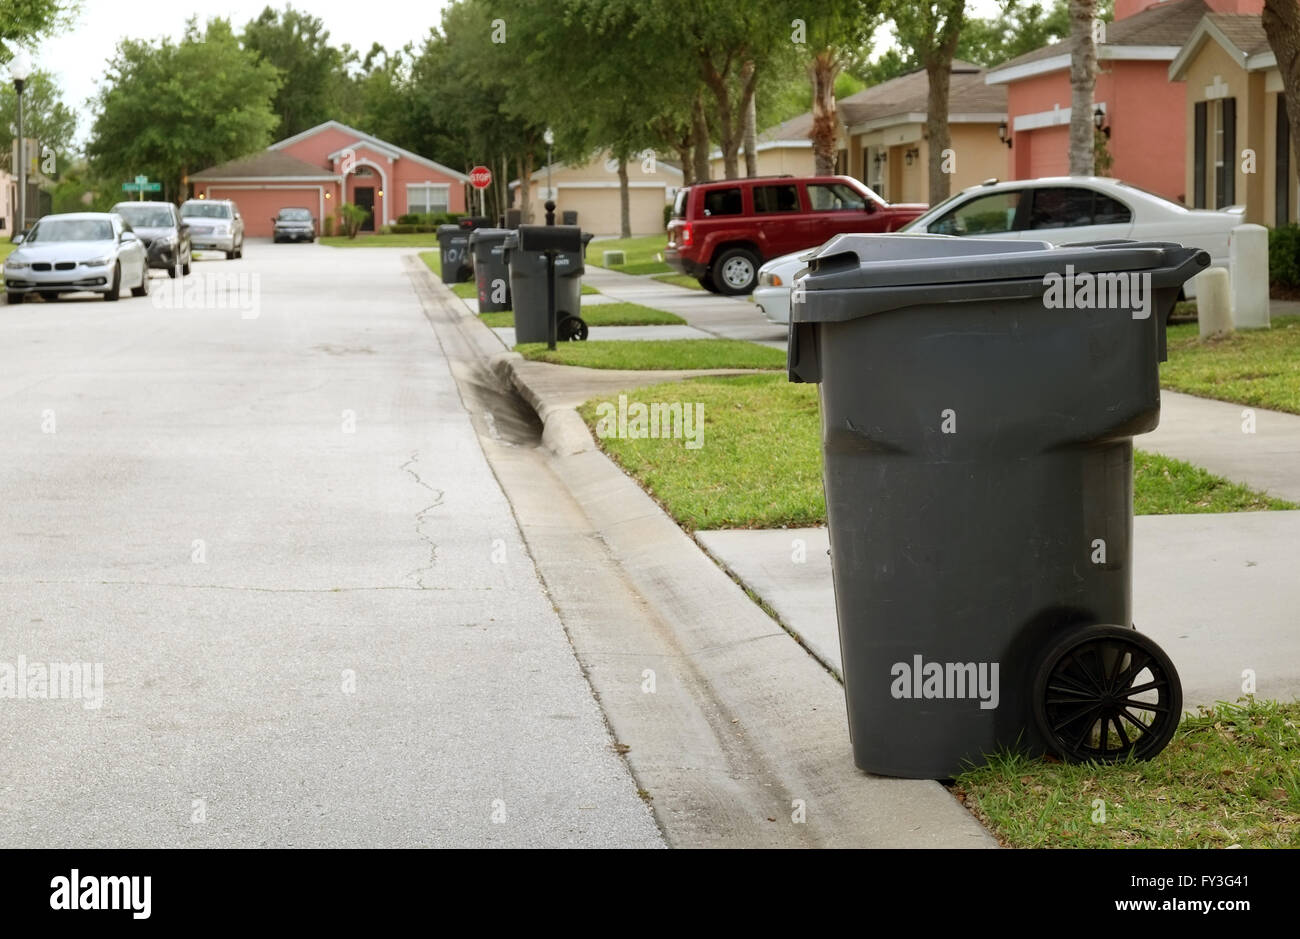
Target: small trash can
[528, 290]
[491, 273]
[978, 404]
[453, 252]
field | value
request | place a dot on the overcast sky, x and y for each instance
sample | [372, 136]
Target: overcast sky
[77, 58]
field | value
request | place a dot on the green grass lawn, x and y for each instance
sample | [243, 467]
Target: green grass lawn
[679, 280]
[603, 314]
[1228, 778]
[643, 254]
[1258, 367]
[432, 260]
[424, 240]
[761, 462]
[658, 354]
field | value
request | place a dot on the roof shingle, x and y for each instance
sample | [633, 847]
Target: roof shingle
[267, 163]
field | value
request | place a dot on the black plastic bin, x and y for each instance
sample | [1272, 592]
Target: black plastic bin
[528, 290]
[491, 273]
[978, 410]
[453, 252]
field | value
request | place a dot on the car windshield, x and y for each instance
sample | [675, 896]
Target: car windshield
[71, 229]
[146, 216]
[205, 210]
[295, 215]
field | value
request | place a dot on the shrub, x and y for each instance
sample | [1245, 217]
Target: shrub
[328, 230]
[351, 217]
[668, 214]
[1284, 255]
[409, 219]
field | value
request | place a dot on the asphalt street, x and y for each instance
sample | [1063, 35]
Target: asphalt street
[261, 507]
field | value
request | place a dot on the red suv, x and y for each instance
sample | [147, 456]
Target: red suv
[721, 232]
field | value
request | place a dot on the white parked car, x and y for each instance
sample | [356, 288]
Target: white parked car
[79, 251]
[775, 278]
[1059, 210]
[1066, 209]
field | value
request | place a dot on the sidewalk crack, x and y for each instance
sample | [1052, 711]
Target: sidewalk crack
[420, 517]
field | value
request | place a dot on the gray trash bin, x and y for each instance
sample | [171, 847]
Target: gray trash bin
[453, 252]
[491, 273]
[528, 290]
[978, 409]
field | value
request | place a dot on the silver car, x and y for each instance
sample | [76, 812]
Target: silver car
[80, 251]
[215, 225]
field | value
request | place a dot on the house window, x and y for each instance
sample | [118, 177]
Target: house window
[1200, 120]
[425, 198]
[1225, 150]
[1282, 162]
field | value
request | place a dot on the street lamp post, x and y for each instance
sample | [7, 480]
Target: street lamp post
[19, 69]
[549, 138]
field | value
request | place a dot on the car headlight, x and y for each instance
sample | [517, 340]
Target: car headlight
[769, 280]
[98, 262]
[12, 265]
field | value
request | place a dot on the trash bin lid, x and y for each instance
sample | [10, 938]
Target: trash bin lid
[489, 235]
[857, 275]
[448, 229]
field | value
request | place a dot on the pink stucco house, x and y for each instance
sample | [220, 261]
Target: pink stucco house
[325, 166]
[1143, 110]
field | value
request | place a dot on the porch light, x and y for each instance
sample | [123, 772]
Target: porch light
[1099, 121]
[1003, 135]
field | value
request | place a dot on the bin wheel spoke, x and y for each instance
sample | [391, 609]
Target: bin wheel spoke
[1096, 680]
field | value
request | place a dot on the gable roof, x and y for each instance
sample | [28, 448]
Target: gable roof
[1157, 33]
[266, 164]
[374, 142]
[1241, 35]
[907, 95]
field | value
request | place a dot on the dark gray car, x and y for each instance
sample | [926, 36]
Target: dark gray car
[163, 232]
[293, 225]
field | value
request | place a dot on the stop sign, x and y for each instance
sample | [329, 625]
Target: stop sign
[480, 177]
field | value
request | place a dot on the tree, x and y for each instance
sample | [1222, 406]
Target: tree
[311, 69]
[1083, 81]
[25, 21]
[1282, 27]
[168, 108]
[46, 119]
[931, 29]
[1020, 27]
[836, 32]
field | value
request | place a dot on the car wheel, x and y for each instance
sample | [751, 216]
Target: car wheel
[239, 252]
[735, 271]
[115, 287]
[13, 299]
[174, 270]
[185, 268]
[143, 289]
[706, 281]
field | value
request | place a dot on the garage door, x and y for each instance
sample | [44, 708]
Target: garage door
[598, 209]
[259, 206]
[1049, 151]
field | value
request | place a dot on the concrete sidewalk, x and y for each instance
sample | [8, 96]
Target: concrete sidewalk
[1209, 434]
[1218, 592]
[723, 317]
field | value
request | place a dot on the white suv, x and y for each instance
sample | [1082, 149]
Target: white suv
[214, 225]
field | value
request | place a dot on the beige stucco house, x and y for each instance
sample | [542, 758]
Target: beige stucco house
[882, 139]
[592, 190]
[1238, 149]
[781, 150]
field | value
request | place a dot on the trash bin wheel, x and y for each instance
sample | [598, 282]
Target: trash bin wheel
[1106, 693]
[573, 328]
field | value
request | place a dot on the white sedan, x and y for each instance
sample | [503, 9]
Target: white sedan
[772, 295]
[1059, 210]
[79, 251]
[1066, 209]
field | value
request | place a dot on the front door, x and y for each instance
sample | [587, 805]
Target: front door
[365, 197]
